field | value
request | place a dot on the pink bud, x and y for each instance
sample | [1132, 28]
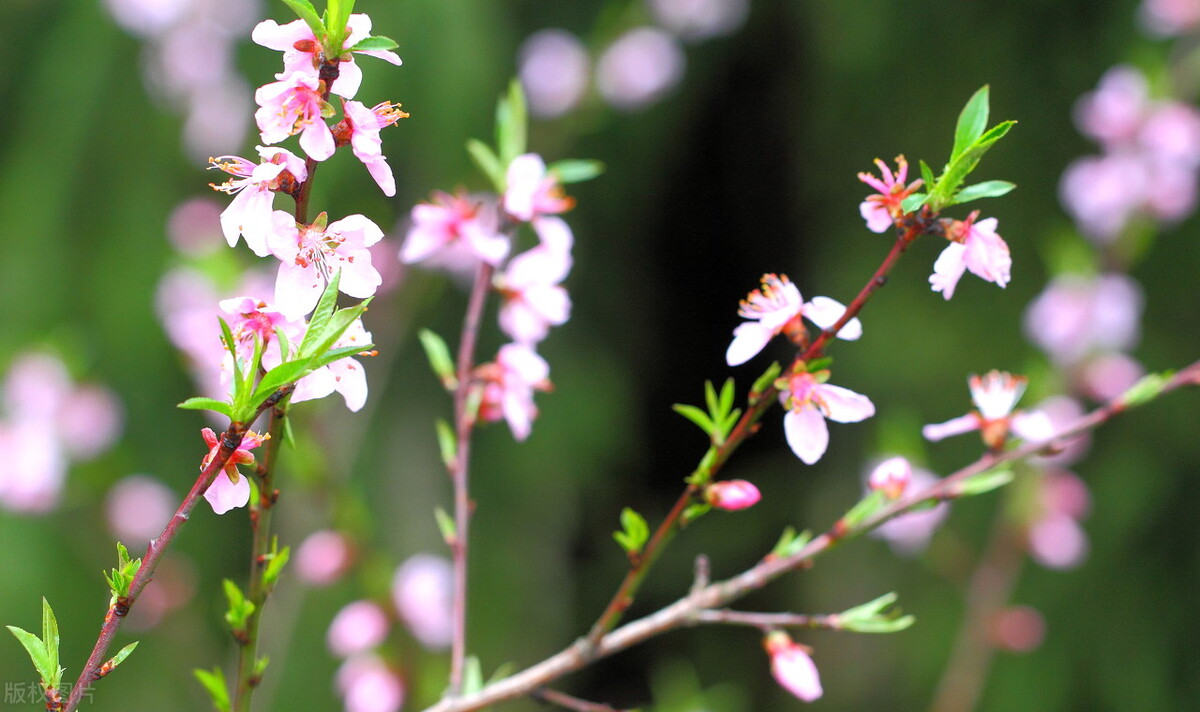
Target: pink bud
[891, 477]
[358, 627]
[732, 495]
[323, 557]
[792, 667]
[369, 685]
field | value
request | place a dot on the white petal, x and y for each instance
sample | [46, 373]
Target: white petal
[948, 270]
[807, 434]
[1034, 426]
[824, 312]
[957, 426]
[844, 405]
[748, 339]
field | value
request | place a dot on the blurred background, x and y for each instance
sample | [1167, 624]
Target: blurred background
[732, 131]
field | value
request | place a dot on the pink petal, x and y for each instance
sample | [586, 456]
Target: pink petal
[825, 312]
[272, 35]
[957, 426]
[351, 381]
[297, 289]
[948, 269]
[795, 671]
[225, 495]
[807, 434]
[876, 214]
[843, 405]
[349, 79]
[748, 339]
[317, 140]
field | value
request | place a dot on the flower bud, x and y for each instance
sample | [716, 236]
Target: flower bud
[890, 477]
[732, 495]
[792, 668]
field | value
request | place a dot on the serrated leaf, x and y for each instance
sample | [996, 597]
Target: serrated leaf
[282, 374]
[446, 526]
[447, 443]
[337, 325]
[575, 170]
[375, 43]
[971, 122]
[36, 650]
[986, 189]
[305, 11]
[959, 168]
[488, 163]
[340, 353]
[439, 358]
[695, 415]
[983, 482]
[214, 684]
[201, 403]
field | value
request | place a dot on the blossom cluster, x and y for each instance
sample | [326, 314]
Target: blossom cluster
[459, 232]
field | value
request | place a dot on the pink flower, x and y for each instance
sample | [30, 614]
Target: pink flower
[369, 685]
[138, 507]
[517, 372]
[323, 557]
[422, 591]
[639, 68]
[34, 468]
[1112, 114]
[253, 189]
[809, 401]
[1170, 17]
[232, 490]
[349, 378]
[973, 246]
[883, 209]
[1075, 316]
[310, 254]
[357, 628]
[995, 395]
[294, 106]
[890, 477]
[301, 50]
[360, 128]
[776, 308]
[457, 224]
[553, 67]
[792, 667]
[532, 191]
[732, 495]
[1103, 192]
[696, 20]
[533, 298]
[909, 534]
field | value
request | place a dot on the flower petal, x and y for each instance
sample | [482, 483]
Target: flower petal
[825, 312]
[957, 426]
[948, 270]
[807, 434]
[225, 495]
[748, 339]
[843, 405]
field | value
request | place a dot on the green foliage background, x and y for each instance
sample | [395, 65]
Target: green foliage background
[748, 167]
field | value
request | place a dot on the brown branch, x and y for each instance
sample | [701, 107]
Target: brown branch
[566, 701]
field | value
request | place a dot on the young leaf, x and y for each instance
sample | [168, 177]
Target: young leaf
[512, 126]
[117, 659]
[36, 650]
[790, 542]
[487, 162]
[214, 683]
[913, 202]
[472, 676]
[1145, 390]
[282, 374]
[260, 666]
[240, 608]
[865, 507]
[446, 526]
[871, 617]
[439, 358]
[959, 168]
[319, 320]
[986, 189]
[337, 13]
[447, 443]
[200, 403]
[694, 512]
[340, 353]
[50, 641]
[726, 400]
[231, 347]
[276, 560]
[375, 43]
[927, 176]
[575, 170]
[305, 11]
[635, 533]
[695, 415]
[285, 344]
[971, 122]
[983, 482]
[764, 382]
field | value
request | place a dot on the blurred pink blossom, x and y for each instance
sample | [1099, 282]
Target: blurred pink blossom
[458, 224]
[1018, 629]
[323, 557]
[553, 67]
[909, 534]
[732, 495]
[422, 591]
[194, 226]
[34, 468]
[1107, 376]
[1167, 18]
[138, 507]
[1075, 316]
[367, 684]
[1112, 114]
[639, 68]
[532, 191]
[1103, 192]
[696, 20]
[533, 298]
[809, 401]
[890, 477]
[792, 667]
[357, 628]
[1055, 538]
[511, 380]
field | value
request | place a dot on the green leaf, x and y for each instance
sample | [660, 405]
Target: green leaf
[872, 617]
[340, 353]
[337, 325]
[374, 43]
[790, 542]
[50, 641]
[764, 382]
[119, 658]
[337, 13]
[472, 676]
[983, 482]
[231, 347]
[575, 170]
[695, 415]
[447, 443]
[276, 560]
[1145, 390]
[868, 505]
[121, 577]
[927, 176]
[319, 320]
[200, 403]
[971, 122]
[694, 512]
[214, 683]
[305, 11]
[446, 526]
[512, 125]
[913, 202]
[986, 189]
[487, 162]
[439, 358]
[962, 165]
[260, 666]
[635, 533]
[282, 374]
[726, 400]
[37, 652]
[285, 344]
[240, 608]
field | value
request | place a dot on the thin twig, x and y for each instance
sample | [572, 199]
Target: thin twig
[566, 701]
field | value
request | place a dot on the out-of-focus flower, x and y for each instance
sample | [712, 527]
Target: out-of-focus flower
[1076, 316]
[294, 106]
[531, 191]
[253, 188]
[995, 394]
[1170, 17]
[909, 534]
[639, 68]
[323, 557]
[360, 128]
[1112, 114]
[792, 667]
[301, 50]
[1105, 377]
[533, 298]
[809, 401]
[194, 226]
[890, 477]
[1063, 412]
[309, 255]
[883, 209]
[1055, 538]
[367, 684]
[455, 223]
[511, 379]
[1018, 629]
[696, 20]
[422, 591]
[148, 17]
[138, 507]
[553, 67]
[232, 490]
[1103, 192]
[732, 495]
[776, 308]
[357, 628]
[34, 468]
[973, 246]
